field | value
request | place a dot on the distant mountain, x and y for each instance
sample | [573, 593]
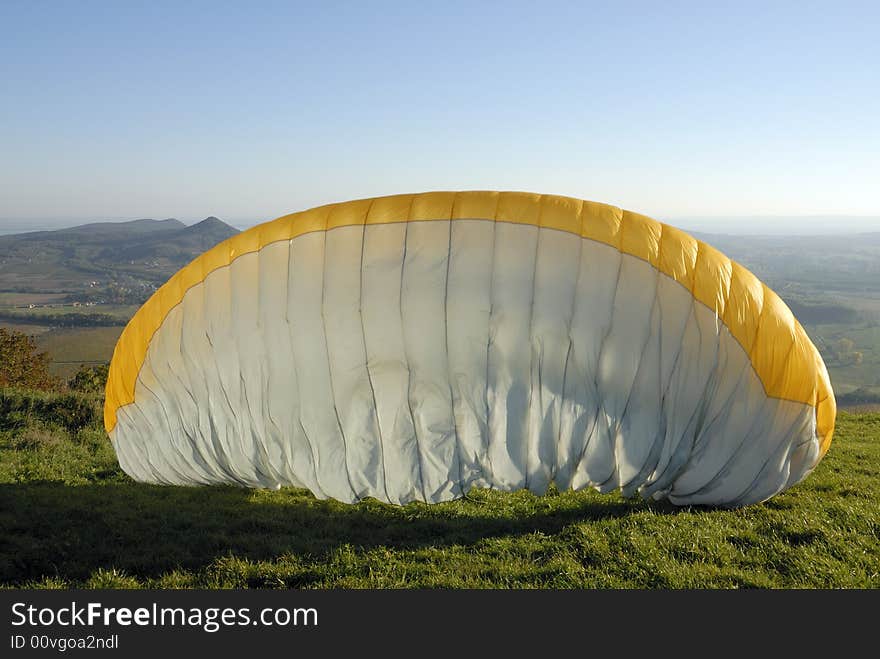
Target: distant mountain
[132, 257]
[179, 244]
[121, 229]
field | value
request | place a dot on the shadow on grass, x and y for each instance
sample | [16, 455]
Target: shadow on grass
[51, 529]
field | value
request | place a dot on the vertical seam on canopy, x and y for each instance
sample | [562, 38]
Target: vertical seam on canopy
[408, 367]
[174, 446]
[574, 297]
[360, 310]
[354, 493]
[635, 379]
[185, 387]
[222, 399]
[491, 479]
[746, 441]
[661, 392]
[298, 397]
[529, 411]
[448, 360]
[781, 447]
[696, 411]
[711, 388]
[600, 399]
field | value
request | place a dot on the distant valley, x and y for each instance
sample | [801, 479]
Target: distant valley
[75, 288]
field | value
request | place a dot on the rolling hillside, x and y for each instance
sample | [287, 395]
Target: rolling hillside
[74, 289]
[133, 257]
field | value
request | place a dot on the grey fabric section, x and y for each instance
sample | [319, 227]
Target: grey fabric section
[381, 288]
[468, 307]
[353, 392]
[414, 361]
[286, 443]
[556, 269]
[592, 456]
[318, 416]
[423, 313]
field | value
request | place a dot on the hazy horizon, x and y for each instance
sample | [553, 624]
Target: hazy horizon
[755, 225]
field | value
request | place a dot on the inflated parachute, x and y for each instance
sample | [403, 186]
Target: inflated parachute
[415, 346]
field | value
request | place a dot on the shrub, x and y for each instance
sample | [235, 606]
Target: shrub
[90, 379]
[22, 364]
[72, 411]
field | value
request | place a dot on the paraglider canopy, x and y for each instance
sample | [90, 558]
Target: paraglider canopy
[413, 346]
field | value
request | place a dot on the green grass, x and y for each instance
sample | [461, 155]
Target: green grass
[70, 518]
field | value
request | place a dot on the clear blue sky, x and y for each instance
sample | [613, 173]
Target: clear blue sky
[248, 111]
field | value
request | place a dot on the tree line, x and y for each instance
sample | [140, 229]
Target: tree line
[72, 319]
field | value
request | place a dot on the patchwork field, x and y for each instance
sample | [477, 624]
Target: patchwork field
[71, 347]
[25, 299]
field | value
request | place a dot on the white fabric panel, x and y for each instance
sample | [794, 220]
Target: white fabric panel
[142, 461]
[804, 456]
[250, 348]
[224, 374]
[736, 481]
[687, 393]
[509, 376]
[318, 415]
[352, 386]
[556, 274]
[728, 417]
[197, 355]
[158, 378]
[643, 415]
[423, 309]
[386, 358]
[179, 408]
[286, 443]
[178, 464]
[413, 361]
[675, 307]
[621, 358]
[578, 409]
[725, 481]
[468, 305]
[592, 453]
[185, 389]
[774, 474]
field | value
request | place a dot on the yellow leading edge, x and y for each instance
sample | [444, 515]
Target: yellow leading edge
[781, 353]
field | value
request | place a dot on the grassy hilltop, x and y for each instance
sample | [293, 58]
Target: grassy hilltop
[70, 518]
